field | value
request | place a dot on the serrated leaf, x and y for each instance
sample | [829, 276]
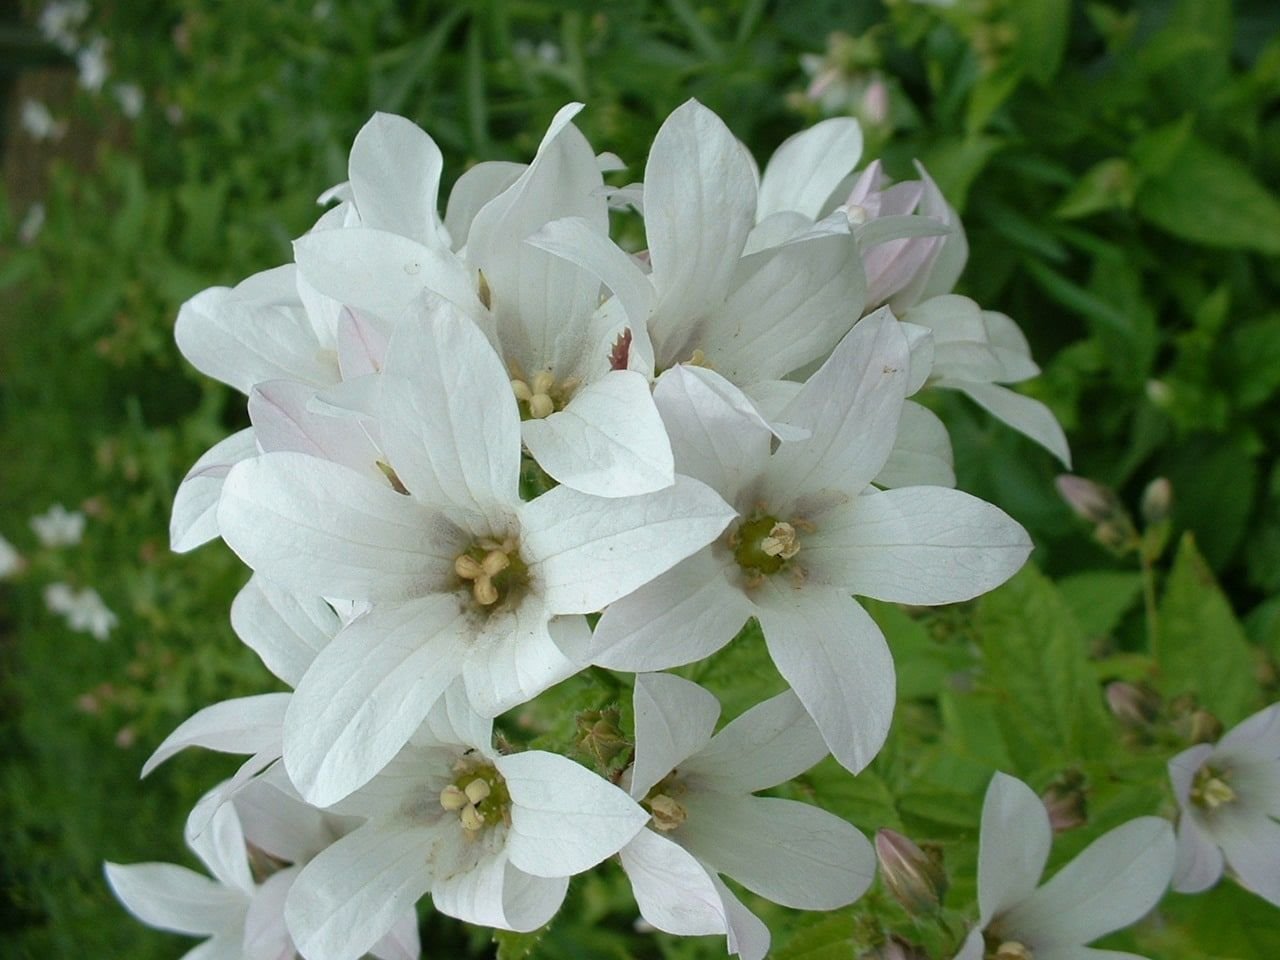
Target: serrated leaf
[1201, 646]
[831, 937]
[1100, 598]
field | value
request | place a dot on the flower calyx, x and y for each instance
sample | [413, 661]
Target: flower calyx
[494, 570]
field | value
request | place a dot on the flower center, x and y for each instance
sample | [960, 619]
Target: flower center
[668, 813]
[542, 395]
[479, 796]
[1012, 950]
[494, 570]
[1210, 789]
[764, 545]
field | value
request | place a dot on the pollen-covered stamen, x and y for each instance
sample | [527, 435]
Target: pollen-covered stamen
[478, 795]
[698, 359]
[668, 812]
[493, 568]
[782, 541]
[764, 545]
[542, 395]
[1012, 950]
[1211, 790]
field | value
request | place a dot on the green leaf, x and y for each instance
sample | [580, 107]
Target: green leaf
[1208, 197]
[1202, 648]
[1107, 185]
[517, 946]
[1035, 656]
[1100, 598]
[1042, 36]
[830, 937]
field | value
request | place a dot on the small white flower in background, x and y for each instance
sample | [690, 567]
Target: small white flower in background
[31, 224]
[11, 561]
[704, 822]
[1229, 798]
[131, 98]
[58, 526]
[59, 597]
[39, 123]
[493, 838]
[86, 613]
[60, 23]
[92, 64]
[1113, 883]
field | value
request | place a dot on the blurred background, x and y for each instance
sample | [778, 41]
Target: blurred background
[1116, 166]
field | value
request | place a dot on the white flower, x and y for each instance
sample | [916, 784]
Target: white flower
[131, 98]
[92, 64]
[11, 560]
[1229, 797]
[1113, 883]
[39, 122]
[31, 224]
[58, 526]
[975, 350]
[493, 838]
[705, 822]
[61, 20]
[87, 613]
[466, 579]
[811, 531]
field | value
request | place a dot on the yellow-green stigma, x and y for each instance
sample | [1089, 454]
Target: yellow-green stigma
[479, 796]
[494, 570]
[1210, 789]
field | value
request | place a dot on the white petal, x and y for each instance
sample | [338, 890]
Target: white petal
[285, 630]
[1011, 346]
[805, 170]
[922, 452]
[362, 345]
[368, 691]
[920, 343]
[169, 897]
[243, 725]
[674, 719]
[609, 441]
[686, 614]
[791, 853]
[921, 545]
[232, 338]
[564, 818]
[1251, 844]
[1198, 864]
[450, 425]
[1012, 847]
[763, 747]
[576, 240]
[348, 897]
[493, 893]
[395, 173]
[265, 935]
[835, 658]
[748, 936]
[281, 824]
[214, 834]
[454, 721]
[851, 408]
[319, 528]
[1254, 739]
[700, 193]
[1071, 952]
[586, 552]
[381, 272]
[476, 187]
[401, 942]
[672, 889]
[1028, 416]
[1183, 768]
[282, 421]
[788, 307]
[1113, 883]
[717, 435]
[514, 658]
[194, 521]
[974, 946]
[224, 946]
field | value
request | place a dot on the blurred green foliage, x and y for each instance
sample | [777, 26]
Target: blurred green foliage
[1115, 165]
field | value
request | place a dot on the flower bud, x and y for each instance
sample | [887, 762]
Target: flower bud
[1134, 706]
[916, 878]
[600, 735]
[1065, 801]
[1090, 501]
[1157, 500]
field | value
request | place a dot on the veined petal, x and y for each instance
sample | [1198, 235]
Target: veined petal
[514, 658]
[609, 441]
[282, 421]
[266, 937]
[805, 170]
[214, 835]
[1028, 416]
[169, 897]
[922, 545]
[476, 187]
[672, 889]
[316, 527]
[368, 691]
[748, 936]
[922, 452]
[450, 425]
[564, 818]
[1254, 739]
[835, 658]
[493, 893]
[395, 172]
[674, 719]
[851, 408]
[243, 725]
[576, 240]
[194, 521]
[1113, 883]
[585, 552]
[767, 745]
[285, 630]
[362, 345]
[686, 614]
[1013, 846]
[347, 898]
[280, 823]
[401, 942]
[789, 852]
[700, 204]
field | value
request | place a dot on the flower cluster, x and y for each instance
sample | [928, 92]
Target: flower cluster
[472, 434]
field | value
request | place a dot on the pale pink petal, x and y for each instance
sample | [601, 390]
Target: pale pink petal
[283, 421]
[674, 719]
[362, 345]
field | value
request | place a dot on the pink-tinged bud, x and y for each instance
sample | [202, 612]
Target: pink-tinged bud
[1065, 802]
[1090, 501]
[1157, 501]
[875, 103]
[1134, 706]
[916, 878]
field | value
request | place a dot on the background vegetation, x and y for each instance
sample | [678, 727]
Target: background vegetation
[1116, 166]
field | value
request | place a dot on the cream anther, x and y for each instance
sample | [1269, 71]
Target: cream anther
[477, 791]
[782, 541]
